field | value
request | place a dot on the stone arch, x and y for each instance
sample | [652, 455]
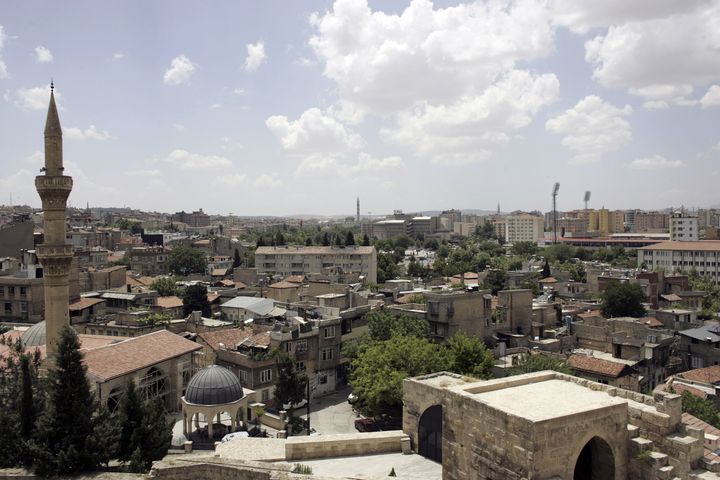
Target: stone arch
[430, 429]
[596, 461]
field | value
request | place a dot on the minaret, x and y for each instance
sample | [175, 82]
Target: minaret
[54, 254]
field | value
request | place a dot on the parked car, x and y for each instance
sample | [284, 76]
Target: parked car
[234, 435]
[366, 425]
[300, 404]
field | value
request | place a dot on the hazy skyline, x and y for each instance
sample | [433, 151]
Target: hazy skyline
[283, 108]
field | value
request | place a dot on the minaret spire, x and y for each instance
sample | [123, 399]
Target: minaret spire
[53, 138]
[54, 253]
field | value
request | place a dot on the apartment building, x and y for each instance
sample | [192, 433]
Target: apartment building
[651, 222]
[684, 227]
[148, 260]
[286, 260]
[702, 256]
[523, 227]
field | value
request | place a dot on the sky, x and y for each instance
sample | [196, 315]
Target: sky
[288, 107]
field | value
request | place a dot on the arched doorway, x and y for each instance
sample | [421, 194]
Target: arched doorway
[430, 434]
[595, 462]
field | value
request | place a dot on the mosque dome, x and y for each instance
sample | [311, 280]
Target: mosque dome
[213, 385]
[34, 336]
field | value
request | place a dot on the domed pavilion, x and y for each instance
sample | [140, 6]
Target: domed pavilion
[212, 391]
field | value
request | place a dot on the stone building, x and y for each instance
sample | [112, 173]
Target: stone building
[148, 260]
[547, 425]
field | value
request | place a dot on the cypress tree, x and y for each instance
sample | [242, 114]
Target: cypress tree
[65, 430]
[131, 418]
[236, 258]
[366, 240]
[349, 239]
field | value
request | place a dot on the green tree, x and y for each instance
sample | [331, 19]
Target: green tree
[136, 229]
[349, 238]
[165, 286]
[537, 363]
[27, 405]
[546, 269]
[379, 370]
[290, 387]
[525, 249]
[185, 260]
[387, 267]
[496, 280]
[383, 325]
[279, 239]
[131, 416]
[65, 430]
[365, 240]
[326, 239]
[237, 261]
[195, 299]
[559, 252]
[106, 436]
[486, 231]
[470, 356]
[416, 269]
[623, 300]
[156, 434]
[702, 408]
[308, 241]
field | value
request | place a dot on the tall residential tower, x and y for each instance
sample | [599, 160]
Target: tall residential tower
[54, 254]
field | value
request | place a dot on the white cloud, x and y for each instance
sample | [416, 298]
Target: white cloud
[179, 127]
[180, 71]
[470, 129]
[193, 161]
[255, 57]
[239, 91]
[654, 163]
[304, 62]
[662, 96]
[711, 97]
[144, 173]
[36, 158]
[314, 132]
[21, 185]
[216, 105]
[581, 16]
[3, 66]
[317, 165]
[118, 56]
[677, 47]
[384, 62]
[592, 128]
[43, 55]
[368, 164]
[267, 181]
[90, 133]
[35, 98]
[232, 180]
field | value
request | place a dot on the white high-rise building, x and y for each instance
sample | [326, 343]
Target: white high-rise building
[683, 227]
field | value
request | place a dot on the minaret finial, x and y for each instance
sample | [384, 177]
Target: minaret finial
[52, 85]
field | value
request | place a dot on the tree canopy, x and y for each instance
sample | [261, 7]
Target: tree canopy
[623, 300]
[185, 260]
[165, 286]
[195, 299]
[537, 363]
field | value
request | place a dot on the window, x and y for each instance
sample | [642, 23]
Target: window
[288, 347]
[329, 332]
[327, 354]
[8, 307]
[11, 291]
[322, 379]
[2, 291]
[299, 366]
[243, 376]
[696, 362]
[266, 375]
[23, 291]
[265, 395]
[301, 346]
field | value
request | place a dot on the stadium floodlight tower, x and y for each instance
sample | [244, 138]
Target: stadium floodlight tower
[587, 199]
[555, 224]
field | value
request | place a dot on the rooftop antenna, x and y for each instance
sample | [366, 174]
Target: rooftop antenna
[556, 187]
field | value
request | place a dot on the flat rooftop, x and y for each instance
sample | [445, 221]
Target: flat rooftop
[547, 399]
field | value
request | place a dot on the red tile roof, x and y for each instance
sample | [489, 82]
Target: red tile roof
[169, 302]
[85, 302]
[284, 284]
[709, 375]
[112, 361]
[598, 366]
[230, 337]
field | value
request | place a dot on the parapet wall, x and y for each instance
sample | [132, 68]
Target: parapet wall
[342, 445]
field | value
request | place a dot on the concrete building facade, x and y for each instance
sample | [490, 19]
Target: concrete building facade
[702, 256]
[288, 261]
[684, 227]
